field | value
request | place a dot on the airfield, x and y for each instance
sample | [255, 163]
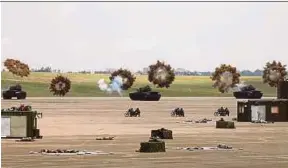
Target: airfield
[74, 123]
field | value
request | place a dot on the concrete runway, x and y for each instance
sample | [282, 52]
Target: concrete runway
[76, 122]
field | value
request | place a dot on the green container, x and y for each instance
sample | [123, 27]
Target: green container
[225, 124]
[20, 124]
[150, 147]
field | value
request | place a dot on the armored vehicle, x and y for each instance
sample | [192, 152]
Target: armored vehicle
[14, 91]
[248, 92]
[145, 94]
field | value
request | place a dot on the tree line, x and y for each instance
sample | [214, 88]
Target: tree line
[178, 72]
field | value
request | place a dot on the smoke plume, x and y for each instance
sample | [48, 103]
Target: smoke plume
[161, 74]
[114, 86]
[274, 75]
[225, 82]
[238, 87]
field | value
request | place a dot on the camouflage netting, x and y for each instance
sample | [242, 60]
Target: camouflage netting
[274, 73]
[225, 124]
[60, 85]
[126, 75]
[16, 67]
[153, 145]
[22, 107]
[161, 75]
[225, 77]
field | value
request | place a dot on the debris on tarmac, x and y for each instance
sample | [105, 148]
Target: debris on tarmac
[58, 152]
[218, 147]
[204, 120]
[25, 139]
[105, 138]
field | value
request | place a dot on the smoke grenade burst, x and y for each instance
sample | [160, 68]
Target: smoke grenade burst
[161, 74]
[114, 86]
[225, 77]
[274, 75]
[239, 86]
[225, 82]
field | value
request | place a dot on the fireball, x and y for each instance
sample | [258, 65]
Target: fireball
[127, 78]
[225, 77]
[274, 73]
[16, 67]
[60, 85]
[161, 75]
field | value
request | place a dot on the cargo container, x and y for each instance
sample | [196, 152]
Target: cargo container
[20, 124]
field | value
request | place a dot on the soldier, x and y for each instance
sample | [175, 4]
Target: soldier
[181, 112]
[137, 111]
[227, 111]
[176, 110]
[221, 109]
[258, 114]
[22, 107]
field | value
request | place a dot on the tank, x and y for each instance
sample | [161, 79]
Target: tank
[248, 92]
[145, 94]
[14, 91]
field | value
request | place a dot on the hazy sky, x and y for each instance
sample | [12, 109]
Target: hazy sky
[95, 36]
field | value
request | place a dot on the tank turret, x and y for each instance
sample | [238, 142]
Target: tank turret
[145, 94]
[14, 91]
[248, 92]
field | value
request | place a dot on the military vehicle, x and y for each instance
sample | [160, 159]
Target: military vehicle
[145, 94]
[178, 112]
[132, 113]
[222, 112]
[14, 91]
[248, 92]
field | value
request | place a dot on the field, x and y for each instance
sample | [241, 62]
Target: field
[75, 123]
[85, 85]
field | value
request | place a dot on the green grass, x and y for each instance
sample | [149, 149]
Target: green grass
[85, 85]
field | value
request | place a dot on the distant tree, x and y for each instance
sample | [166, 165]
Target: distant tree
[258, 72]
[43, 69]
[246, 73]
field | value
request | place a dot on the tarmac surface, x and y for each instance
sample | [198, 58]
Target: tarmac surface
[74, 123]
